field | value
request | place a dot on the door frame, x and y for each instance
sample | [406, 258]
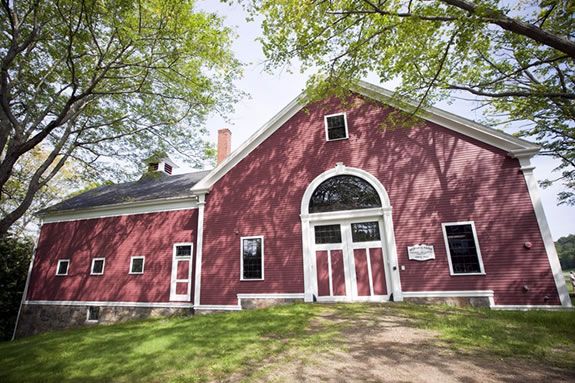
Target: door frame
[347, 247]
[382, 214]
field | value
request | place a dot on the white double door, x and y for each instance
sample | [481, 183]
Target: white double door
[350, 261]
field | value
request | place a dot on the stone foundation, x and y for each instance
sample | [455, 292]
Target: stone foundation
[259, 303]
[35, 319]
[451, 301]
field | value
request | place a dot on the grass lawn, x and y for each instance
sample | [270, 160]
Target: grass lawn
[212, 347]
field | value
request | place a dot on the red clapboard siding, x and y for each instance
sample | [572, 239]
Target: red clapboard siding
[432, 175]
[116, 239]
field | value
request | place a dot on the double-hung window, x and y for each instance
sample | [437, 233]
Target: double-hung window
[463, 251]
[336, 127]
[252, 258]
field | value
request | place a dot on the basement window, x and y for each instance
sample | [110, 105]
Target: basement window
[252, 262]
[93, 314]
[463, 251]
[62, 268]
[98, 266]
[336, 127]
[137, 265]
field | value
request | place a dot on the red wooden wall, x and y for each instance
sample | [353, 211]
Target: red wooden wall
[432, 175]
[117, 239]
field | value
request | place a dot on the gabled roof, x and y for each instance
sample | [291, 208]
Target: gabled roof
[159, 186]
[514, 146]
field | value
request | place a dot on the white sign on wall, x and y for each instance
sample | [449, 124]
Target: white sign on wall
[421, 252]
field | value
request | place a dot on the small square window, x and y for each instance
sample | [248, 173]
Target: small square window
[62, 268]
[98, 266]
[336, 126]
[327, 234]
[93, 314]
[137, 265]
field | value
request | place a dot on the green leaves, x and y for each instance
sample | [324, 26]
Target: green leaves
[505, 58]
[98, 81]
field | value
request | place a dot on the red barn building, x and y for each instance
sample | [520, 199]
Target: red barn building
[320, 204]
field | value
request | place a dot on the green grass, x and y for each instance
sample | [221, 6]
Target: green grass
[545, 336]
[212, 347]
[190, 349]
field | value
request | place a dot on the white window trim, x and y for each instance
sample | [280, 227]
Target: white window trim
[88, 320]
[174, 280]
[477, 247]
[132, 264]
[242, 258]
[58, 267]
[103, 266]
[344, 122]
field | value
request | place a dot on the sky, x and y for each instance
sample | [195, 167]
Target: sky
[270, 92]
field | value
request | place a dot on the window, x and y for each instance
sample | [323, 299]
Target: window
[62, 268]
[365, 231]
[343, 192]
[183, 250]
[168, 168]
[462, 248]
[327, 234]
[98, 266]
[336, 126]
[93, 314]
[137, 265]
[252, 265]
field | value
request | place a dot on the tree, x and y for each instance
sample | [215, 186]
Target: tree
[97, 81]
[15, 256]
[566, 251]
[518, 62]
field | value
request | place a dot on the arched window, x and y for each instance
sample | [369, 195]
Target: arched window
[343, 192]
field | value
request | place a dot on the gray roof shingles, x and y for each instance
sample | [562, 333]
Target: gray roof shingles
[161, 186]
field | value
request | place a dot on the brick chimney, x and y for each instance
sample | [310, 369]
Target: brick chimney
[224, 144]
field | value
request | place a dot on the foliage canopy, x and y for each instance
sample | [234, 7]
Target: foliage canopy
[91, 81]
[516, 58]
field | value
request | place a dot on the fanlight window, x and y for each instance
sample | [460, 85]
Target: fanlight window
[343, 192]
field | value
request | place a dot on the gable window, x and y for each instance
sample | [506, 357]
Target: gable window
[98, 266]
[336, 127]
[252, 262]
[343, 192]
[463, 251]
[137, 265]
[62, 268]
[93, 314]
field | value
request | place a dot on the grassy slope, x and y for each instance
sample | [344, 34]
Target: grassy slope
[210, 347]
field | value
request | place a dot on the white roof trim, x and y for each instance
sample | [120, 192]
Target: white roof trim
[514, 146]
[114, 210]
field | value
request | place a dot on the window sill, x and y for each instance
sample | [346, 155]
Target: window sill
[337, 139]
[251, 280]
[130, 273]
[465, 274]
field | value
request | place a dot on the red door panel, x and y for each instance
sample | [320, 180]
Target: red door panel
[337, 272]
[377, 271]
[322, 273]
[361, 272]
[183, 269]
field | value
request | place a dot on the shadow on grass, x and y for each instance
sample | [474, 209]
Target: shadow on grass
[192, 348]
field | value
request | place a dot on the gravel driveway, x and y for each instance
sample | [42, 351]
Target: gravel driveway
[389, 349]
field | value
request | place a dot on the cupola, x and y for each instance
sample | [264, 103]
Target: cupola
[160, 162]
